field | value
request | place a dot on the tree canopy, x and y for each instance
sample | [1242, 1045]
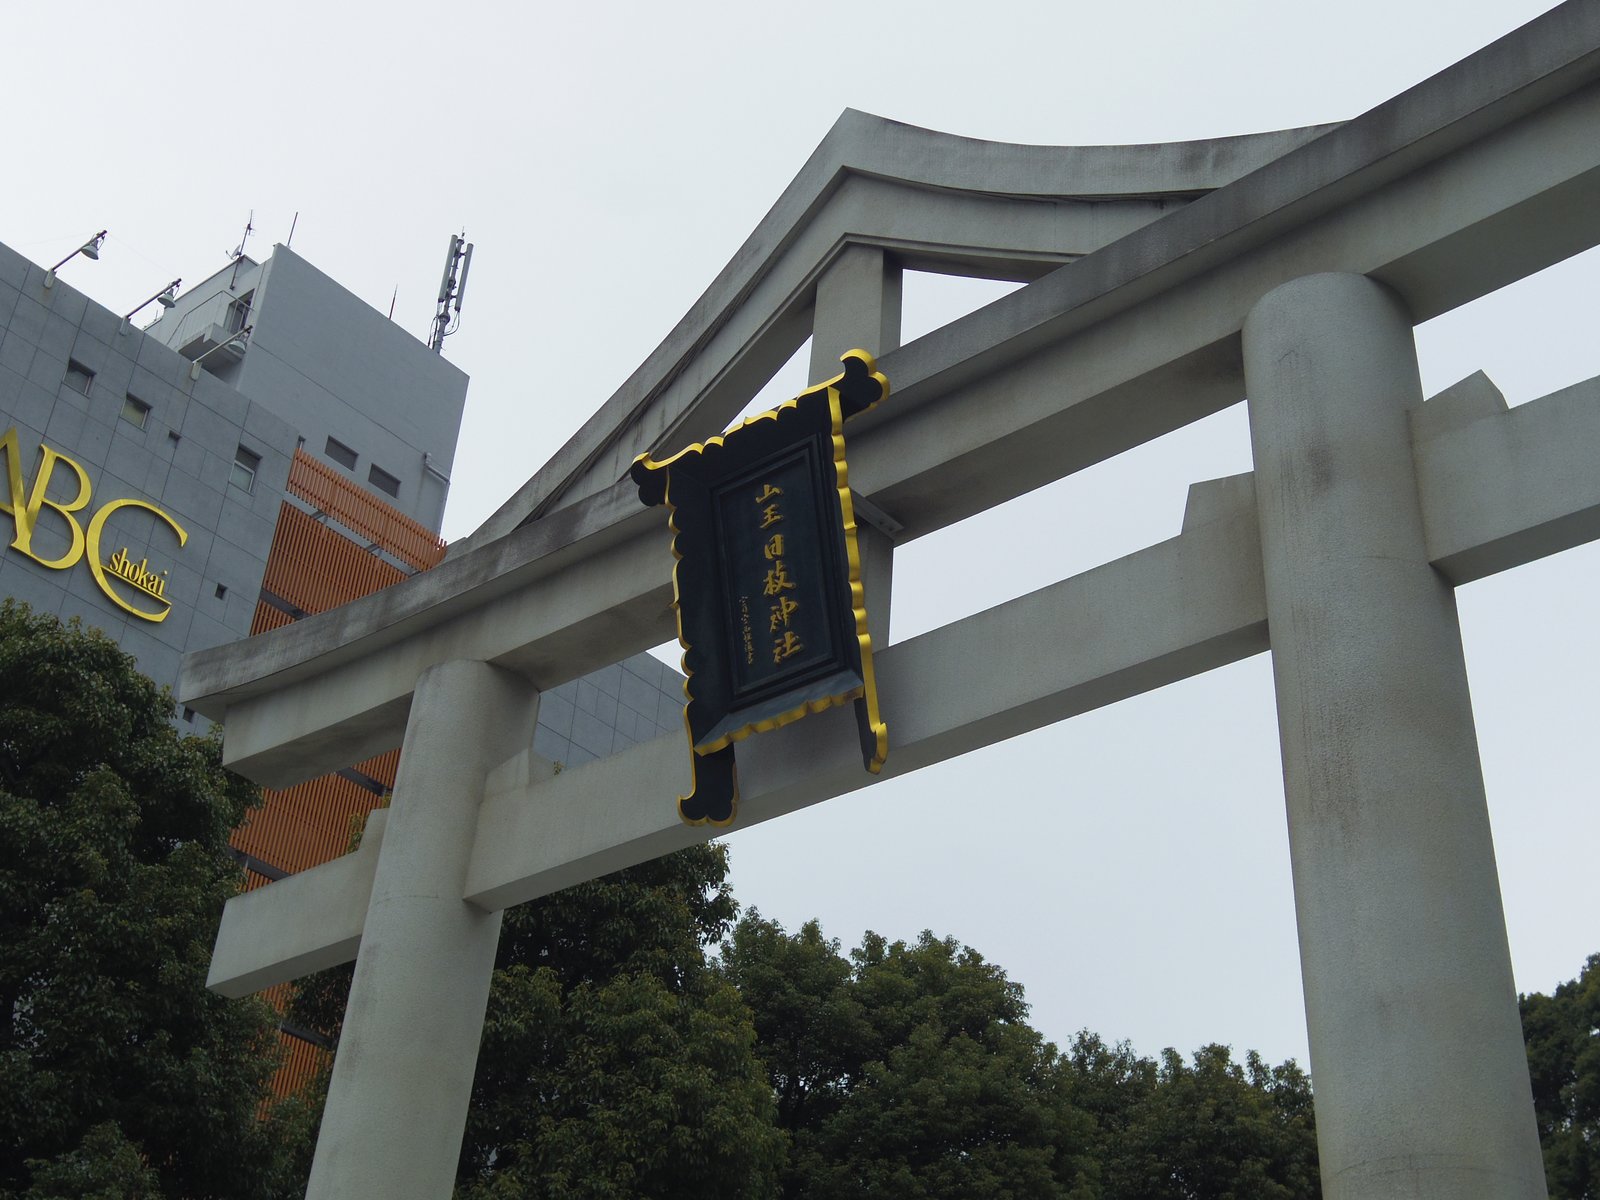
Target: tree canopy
[614, 1061]
[909, 1070]
[1562, 1032]
[1170, 1129]
[122, 1075]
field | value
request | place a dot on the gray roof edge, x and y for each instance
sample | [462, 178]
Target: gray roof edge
[864, 143]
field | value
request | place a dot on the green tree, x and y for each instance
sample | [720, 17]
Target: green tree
[1212, 1129]
[120, 1074]
[812, 1034]
[907, 1071]
[1562, 1032]
[614, 1061]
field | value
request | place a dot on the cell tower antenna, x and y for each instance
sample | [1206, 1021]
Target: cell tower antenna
[452, 290]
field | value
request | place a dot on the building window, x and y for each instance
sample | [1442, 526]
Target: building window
[79, 377]
[383, 481]
[135, 411]
[341, 454]
[245, 465]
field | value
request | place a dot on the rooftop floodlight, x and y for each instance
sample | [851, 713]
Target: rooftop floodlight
[90, 249]
[167, 297]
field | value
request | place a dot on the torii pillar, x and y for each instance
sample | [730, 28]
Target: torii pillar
[397, 1100]
[1416, 1050]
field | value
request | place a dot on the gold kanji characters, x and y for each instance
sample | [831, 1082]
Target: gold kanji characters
[786, 646]
[780, 611]
[778, 580]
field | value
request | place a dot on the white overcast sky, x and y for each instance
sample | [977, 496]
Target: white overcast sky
[1129, 867]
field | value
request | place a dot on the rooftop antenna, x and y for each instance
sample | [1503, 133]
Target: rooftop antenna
[238, 253]
[452, 290]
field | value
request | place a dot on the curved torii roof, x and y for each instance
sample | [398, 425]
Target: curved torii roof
[934, 201]
[1476, 177]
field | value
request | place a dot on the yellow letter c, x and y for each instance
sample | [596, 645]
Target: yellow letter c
[97, 526]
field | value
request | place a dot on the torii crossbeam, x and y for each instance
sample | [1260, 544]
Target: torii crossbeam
[1287, 269]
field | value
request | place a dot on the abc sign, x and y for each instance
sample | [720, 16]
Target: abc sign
[25, 506]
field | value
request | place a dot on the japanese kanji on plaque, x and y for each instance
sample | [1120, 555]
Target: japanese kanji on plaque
[767, 587]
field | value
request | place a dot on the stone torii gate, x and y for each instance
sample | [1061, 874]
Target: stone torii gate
[1166, 283]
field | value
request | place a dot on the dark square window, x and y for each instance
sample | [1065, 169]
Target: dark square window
[79, 377]
[383, 481]
[245, 465]
[341, 454]
[135, 411]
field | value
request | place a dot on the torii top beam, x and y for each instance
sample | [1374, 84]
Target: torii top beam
[1478, 176]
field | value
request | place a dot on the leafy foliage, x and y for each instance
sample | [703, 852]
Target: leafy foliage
[1213, 1128]
[907, 1070]
[104, 1166]
[122, 1074]
[614, 1062]
[1562, 1033]
[911, 1071]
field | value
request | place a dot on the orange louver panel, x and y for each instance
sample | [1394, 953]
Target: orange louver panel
[300, 1065]
[382, 767]
[308, 824]
[316, 568]
[267, 618]
[322, 487]
[301, 1059]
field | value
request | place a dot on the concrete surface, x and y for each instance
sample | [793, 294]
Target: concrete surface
[1416, 1046]
[397, 1100]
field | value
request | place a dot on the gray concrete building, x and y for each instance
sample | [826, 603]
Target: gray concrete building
[188, 432]
[95, 412]
[360, 391]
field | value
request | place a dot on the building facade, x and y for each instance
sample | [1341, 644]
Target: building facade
[94, 414]
[191, 484]
[362, 393]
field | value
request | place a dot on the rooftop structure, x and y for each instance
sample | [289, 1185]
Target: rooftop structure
[361, 392]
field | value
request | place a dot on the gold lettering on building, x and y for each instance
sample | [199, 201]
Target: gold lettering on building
[25, 506]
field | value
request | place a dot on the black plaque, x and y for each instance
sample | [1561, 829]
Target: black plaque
[771, 612]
